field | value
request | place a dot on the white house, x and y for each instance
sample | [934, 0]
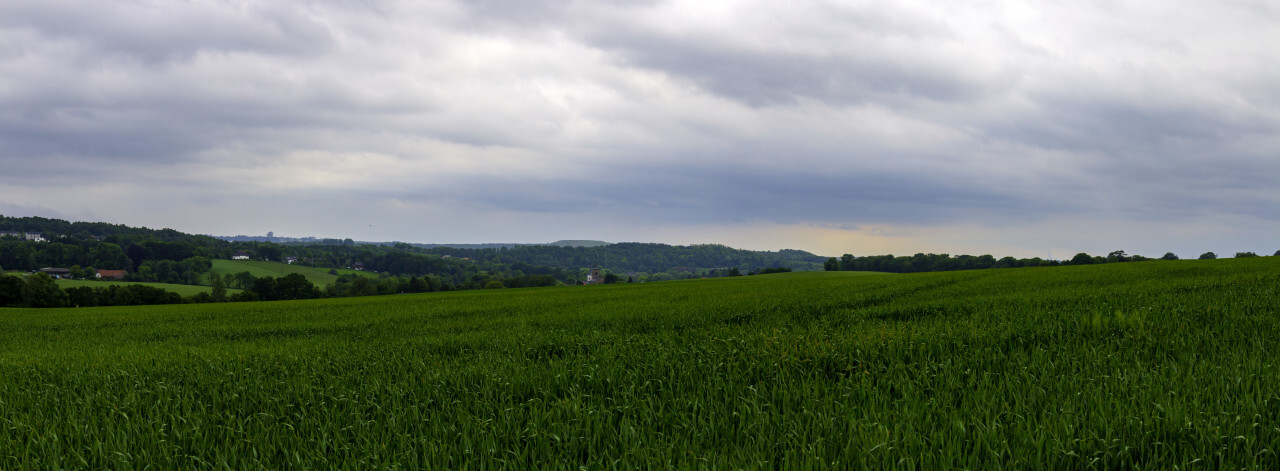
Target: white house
[27, 236]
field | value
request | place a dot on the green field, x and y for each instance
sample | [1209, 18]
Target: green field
[1152, 365]
[317, 276]
[182, 290]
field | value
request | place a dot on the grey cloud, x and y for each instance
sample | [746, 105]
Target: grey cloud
[88, 80]
[1156, 158]
[169, 31]
[152, 135]
[854, 59]
[699, 192]
[821, 114]
[23, 210]
[559, 14]
[60, 136]
[784, 79]
[858, 58]
[1118, 125]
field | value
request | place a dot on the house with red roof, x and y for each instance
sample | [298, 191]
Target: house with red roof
[110, 274]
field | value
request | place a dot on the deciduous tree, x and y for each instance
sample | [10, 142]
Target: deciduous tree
[219, 290]
[1082, 259]
[1117, 256]
[10, 290]
[41, 291]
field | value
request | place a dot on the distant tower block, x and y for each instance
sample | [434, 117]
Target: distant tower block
[270, 234]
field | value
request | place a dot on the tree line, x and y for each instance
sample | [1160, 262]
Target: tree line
[921, 262]
[639, 257]
[40, 290]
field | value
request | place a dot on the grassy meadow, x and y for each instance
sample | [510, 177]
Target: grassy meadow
[182, 290]
[259, 269]
[1152, 365]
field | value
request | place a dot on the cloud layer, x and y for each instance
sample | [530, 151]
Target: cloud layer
[982, 125]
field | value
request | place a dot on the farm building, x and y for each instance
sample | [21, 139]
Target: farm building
[110, 274]
[57, 272]
[594, 277]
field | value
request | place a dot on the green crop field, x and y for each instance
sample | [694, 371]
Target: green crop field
[1152, 365]
[317, 276]
[182, 290]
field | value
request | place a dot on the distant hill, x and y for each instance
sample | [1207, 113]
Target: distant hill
[330, 241]
[279, 240]
[638, 257]
[576, 243]
[465, 246]
[480, 246]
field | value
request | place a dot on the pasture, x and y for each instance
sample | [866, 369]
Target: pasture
[182, 290]
[259, 269]
[1150, 365]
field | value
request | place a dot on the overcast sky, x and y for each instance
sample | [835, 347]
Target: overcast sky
[1006, 127]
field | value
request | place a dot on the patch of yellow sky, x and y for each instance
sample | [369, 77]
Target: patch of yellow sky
[881, 239]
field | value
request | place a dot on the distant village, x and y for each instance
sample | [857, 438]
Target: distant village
[27, 236]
